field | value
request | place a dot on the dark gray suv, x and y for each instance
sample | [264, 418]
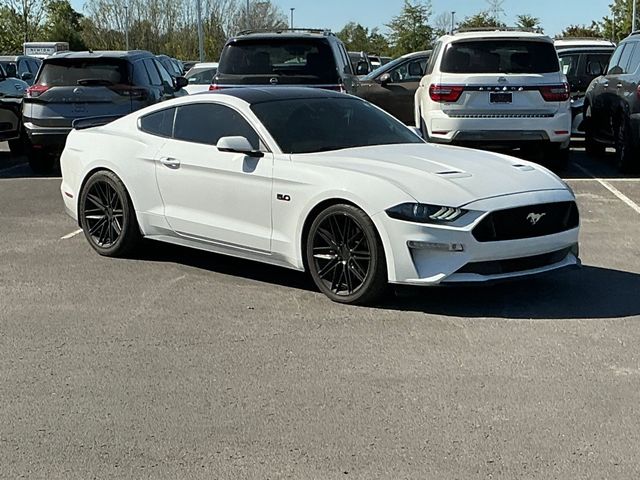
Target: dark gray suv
[612, 107]
[300, 57]
[75, 85]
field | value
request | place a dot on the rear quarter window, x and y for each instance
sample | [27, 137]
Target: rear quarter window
[500, 56]
[159, 123]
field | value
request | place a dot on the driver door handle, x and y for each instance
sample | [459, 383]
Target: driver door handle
[620, 85]
[606, 85]
[170, 162]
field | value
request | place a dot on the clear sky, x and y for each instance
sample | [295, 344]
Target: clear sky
[333, 14]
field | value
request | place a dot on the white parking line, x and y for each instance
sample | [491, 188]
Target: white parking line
[71, 235]
[612, 189]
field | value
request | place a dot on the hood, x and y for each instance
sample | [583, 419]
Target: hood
[437, 174]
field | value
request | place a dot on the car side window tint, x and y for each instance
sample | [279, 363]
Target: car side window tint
[167, 80]
[634, 63]
[569, 64]
[152, 71]
[432, 59]
[411, 71]
[209, 122]
[613, 63]
[22, 67]
[139, 74]
[625, 57]
[159, 123]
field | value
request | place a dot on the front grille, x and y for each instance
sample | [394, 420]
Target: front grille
[513, 265]
[527, 222]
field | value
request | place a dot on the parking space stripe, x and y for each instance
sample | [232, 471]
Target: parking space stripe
[71, 235]
[612, 189]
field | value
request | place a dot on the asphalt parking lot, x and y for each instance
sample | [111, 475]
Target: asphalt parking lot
[183, 364]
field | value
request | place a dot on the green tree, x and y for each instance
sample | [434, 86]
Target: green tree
[358, 38]
[481, 20]
[410, 30]
[585, 31]
[12, 31]
[526, 21]
[63, 24]
[621, 12]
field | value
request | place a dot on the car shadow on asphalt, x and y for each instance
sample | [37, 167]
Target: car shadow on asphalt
[587, 293]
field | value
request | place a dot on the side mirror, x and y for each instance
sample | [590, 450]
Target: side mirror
[26, 76]
[180, 82]
[362, 68]
[238, 145]
[385, 79]
[594, 69]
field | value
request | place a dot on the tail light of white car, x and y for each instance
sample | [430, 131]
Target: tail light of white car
[556, 93]
[35, 91]
[445, 93]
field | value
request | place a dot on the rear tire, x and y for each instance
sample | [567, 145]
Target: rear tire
[17, 146]
[345, 256]
[107, 216]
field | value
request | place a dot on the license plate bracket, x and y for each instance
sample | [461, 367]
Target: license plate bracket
[501, 97]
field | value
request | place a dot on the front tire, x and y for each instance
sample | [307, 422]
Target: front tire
[626, 152]
[345, 256]
[107, 216]
[591, 145]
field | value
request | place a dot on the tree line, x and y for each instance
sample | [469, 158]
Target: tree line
[170, 27]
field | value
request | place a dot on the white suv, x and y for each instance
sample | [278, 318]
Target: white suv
[496, 89]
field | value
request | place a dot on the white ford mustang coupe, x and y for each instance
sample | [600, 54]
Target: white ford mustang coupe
[319, 181]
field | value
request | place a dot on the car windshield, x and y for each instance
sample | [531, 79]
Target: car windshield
[84, 71]
[500, 56]
[308, 125]
[201, 76]
[9, 67]
[280, 56]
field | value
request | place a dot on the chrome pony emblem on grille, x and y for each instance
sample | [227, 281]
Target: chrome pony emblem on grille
[535, 217]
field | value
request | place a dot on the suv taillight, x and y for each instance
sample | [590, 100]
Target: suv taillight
[638, 92]
[556, 93]
[445, 93]
[213, 87]
[36, 90]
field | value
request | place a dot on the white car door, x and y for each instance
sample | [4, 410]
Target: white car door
[211, 195]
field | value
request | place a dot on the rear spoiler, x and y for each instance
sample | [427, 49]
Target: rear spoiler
[90, 122]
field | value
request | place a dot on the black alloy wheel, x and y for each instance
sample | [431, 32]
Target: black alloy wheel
[107, 216]
[592, 147]
[345, 256]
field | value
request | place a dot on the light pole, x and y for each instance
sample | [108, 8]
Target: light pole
[292, 10]
[126, 27]
[200, 34]
[453, 21]
[633, 20]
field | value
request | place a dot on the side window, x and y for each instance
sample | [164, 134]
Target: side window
[615, 58]
[432, 59]
[411, 71]
[597, 62]
[569, 64]
[140, 75]
[159, 123]
[167, 81]
[632, 67]
[346, 62]
[208, 122]
[33, 66]
[152, 71]
[22, 67]
[625, 57]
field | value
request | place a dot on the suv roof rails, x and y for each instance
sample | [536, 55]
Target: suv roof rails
[498, 29]
[323, 31]
[600, 39]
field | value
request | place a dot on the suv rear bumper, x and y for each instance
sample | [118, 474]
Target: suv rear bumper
[53, 137]
[491, 131]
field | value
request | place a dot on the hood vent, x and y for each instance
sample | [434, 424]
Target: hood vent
[523, 168]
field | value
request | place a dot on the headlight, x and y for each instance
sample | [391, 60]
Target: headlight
[422, 213]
